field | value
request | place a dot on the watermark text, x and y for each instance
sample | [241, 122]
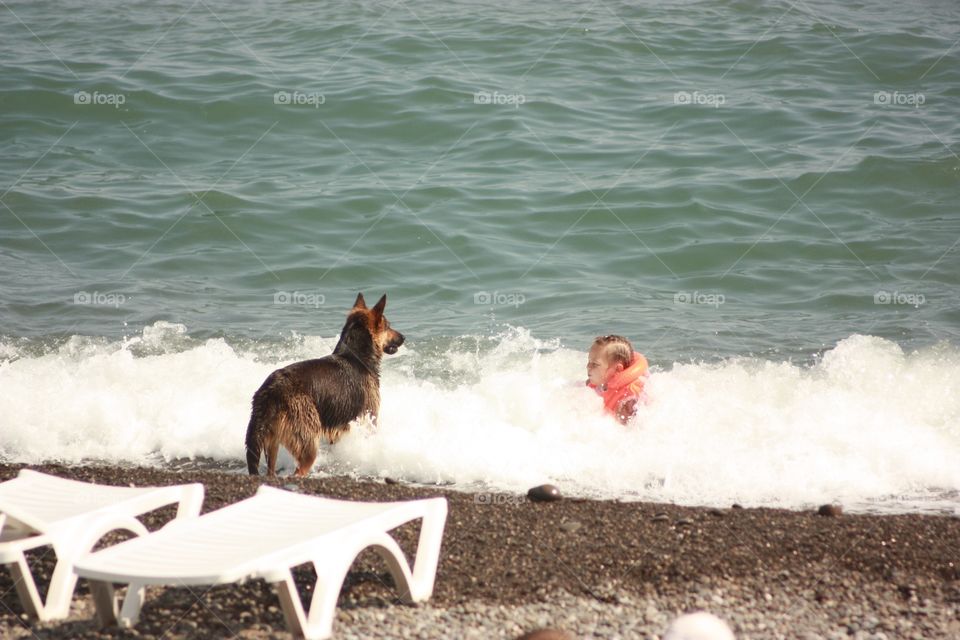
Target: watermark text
[99, 299]
[299, 298]
[116, 100]
[299, 98]
[899, 297]
[699, 297]
[899, 99]
[701, 98]
[498, 98]
[499, 299]
[499, 499]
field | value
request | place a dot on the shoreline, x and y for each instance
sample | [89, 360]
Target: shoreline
[593, 568]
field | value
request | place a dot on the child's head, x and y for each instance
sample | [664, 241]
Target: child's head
[608, 355]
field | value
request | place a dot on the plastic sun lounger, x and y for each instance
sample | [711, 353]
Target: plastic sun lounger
[266, 536]
[39, 510]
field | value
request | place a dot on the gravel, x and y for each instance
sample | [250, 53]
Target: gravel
[600, 569]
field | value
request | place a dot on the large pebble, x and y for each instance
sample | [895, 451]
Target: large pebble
[699, 626]
[544, 493]
[830, 510]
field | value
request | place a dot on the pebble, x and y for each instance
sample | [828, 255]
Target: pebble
[574, 618]
[571, 526]
[830, 510]
[544, 493]
[578, 618]
[699, 626]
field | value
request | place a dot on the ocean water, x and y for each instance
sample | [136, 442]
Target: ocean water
[763, 197]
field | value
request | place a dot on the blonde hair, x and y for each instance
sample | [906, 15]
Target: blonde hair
[615, 349]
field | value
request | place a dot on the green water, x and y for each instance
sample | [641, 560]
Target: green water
[709, 178]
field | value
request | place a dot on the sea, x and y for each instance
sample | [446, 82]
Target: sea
[762, 196]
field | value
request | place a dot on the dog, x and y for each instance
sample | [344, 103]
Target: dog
[303, 402]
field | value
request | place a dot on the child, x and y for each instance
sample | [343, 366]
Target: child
[618, 373]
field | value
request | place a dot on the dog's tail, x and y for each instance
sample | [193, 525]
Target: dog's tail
[254, 447]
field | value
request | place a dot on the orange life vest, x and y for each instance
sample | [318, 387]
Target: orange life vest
[623, 385]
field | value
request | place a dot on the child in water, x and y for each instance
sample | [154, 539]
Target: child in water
[618, 373]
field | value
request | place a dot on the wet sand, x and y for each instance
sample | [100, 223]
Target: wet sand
[594, 568]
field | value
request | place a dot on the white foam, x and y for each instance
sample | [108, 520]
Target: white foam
[866, 423]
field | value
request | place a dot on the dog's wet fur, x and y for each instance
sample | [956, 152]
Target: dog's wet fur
[301, 403]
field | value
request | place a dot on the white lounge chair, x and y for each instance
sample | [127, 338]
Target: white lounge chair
[265, 537]
[39, 510]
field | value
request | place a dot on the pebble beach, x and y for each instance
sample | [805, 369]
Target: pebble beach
[593, 569]
[757, 194]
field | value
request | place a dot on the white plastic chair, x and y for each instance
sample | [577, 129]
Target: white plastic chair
[266, 536]
[39, 510]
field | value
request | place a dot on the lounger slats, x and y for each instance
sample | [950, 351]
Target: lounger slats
[41, 501]
[37, 510]
[266, 536]
[244, 539]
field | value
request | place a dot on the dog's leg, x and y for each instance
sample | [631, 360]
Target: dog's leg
[272, 448]
[306, 456]
[335, 433]
[301, 434]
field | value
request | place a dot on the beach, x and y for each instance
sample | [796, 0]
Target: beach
[605, 569]
[761, 197]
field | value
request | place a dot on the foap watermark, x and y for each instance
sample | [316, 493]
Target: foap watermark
[899, 99]
[899, 297]
[701, 98]
[116, 100]
[499, 299]
[99, 299]
[499, 499]
[300, 98]
[299, 298]
[499, 99]
[699, 297]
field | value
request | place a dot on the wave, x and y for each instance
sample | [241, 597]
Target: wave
[865, 424]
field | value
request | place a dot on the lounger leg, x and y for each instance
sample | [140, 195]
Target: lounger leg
[106, 602]
[318, 622]
[105, 599]
[59, 592]
[391, 553]
[428, 551]
[130, 612]
[292, 607]
[27, 588]
[62, 582]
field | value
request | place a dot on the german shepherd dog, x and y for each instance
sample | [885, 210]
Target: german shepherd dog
[304, 401]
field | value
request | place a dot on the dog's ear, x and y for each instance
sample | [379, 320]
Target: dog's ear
[380, 306]
[360, 303]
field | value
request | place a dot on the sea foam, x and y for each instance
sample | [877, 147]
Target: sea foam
[866, 424]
